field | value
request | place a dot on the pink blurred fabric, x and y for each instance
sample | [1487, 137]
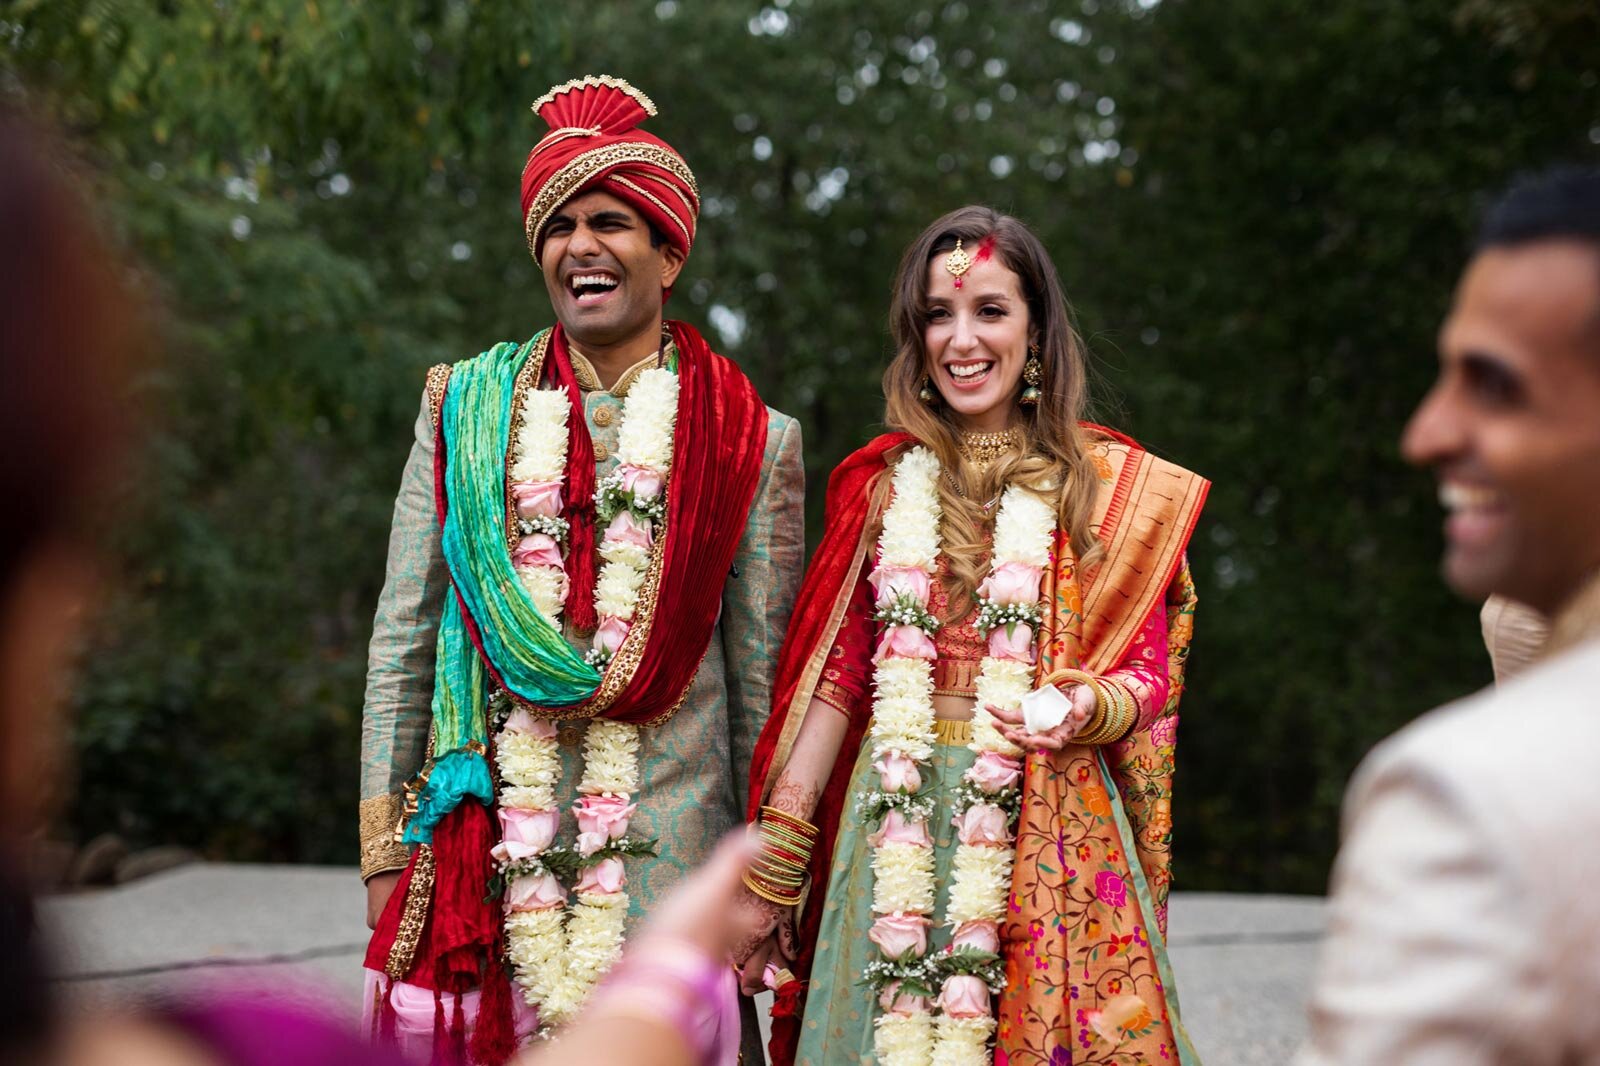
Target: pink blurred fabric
[413, 1008]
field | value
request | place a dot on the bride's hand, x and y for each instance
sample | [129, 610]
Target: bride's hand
[769, 936]
[1011, 727]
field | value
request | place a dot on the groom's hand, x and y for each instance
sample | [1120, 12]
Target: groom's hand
[379, 888]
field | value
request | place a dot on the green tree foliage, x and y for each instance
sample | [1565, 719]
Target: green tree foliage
[1259, 209]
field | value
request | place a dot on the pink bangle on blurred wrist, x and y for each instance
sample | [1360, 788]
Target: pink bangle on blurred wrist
[676, 984]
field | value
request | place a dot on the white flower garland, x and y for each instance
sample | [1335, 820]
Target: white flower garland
[908, 1032]
[559, 953]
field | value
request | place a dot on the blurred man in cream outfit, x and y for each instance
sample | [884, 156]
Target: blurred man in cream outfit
[1465, 915]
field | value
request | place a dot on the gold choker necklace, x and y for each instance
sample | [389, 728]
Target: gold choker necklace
[983, 449]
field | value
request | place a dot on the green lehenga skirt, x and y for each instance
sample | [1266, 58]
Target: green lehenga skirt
[837, 1026]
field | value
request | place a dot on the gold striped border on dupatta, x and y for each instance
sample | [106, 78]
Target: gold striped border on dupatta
[1145, 522]
[814, 667]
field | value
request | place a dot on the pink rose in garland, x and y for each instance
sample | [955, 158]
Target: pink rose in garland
[1013, 642]
[965, 997]
[896, 934]
[982, 825]
[896, 830]
[892, 582]
[898, 773]
[1012, 583]
[610, 634]
[534, 893]
[644, 483]
[993, 771]
[904, 642]
[535, 499]
[604, 877]
[627, 528]
[524, 833]
[537, 549]
[601, 819]
[978, 935]
[522, 720]
[893, 1001]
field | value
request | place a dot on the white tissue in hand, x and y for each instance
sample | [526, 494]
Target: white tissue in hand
[1044, 708]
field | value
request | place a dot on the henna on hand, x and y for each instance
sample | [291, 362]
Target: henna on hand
[794, 797]
[757, 918]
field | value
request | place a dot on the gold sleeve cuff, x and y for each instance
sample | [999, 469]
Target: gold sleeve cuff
[381, 850]
[834, 695]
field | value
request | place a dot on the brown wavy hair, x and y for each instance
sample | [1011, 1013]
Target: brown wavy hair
[1053, 459]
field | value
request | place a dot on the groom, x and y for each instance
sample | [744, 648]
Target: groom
[462, 639]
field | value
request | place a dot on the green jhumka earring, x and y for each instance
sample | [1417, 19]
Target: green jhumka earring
[1032, 373]
[926, 393]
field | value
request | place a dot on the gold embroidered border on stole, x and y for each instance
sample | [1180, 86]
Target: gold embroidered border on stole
[438, 377]
[415, 915]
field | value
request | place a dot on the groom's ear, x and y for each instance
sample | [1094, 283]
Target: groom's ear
[672, 260]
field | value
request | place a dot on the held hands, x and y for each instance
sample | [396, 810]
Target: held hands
[1010, 725]
[768, 937]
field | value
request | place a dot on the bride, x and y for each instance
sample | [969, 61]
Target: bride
[963, 794]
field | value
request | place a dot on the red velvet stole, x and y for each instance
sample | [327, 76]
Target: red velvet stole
[578, 504]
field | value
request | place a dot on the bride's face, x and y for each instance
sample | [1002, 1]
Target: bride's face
[975, 340]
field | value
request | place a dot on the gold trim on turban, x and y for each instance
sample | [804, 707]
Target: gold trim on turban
[594, 80]
[566, 182]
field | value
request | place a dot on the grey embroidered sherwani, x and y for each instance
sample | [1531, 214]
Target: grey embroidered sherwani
[694, 767]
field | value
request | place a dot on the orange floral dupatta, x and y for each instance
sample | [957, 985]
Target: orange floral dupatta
[1088, 979]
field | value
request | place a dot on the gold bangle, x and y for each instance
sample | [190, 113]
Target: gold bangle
[792, 821]
[1130, 711]
[779, 832]
[1117, 727]
[1119, 717]
[771, 897]
[776, 882]
[778, 873]
[772, 873]
[1106, 715]
[800, 849]
[781, 814]
[1055, 677]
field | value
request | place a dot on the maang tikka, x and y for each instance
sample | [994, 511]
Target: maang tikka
[958, 262]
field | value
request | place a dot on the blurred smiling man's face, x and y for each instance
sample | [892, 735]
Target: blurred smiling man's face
[1512, 426]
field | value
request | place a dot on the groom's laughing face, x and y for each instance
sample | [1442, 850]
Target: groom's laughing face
[605, 269]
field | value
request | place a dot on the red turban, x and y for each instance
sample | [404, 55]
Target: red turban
[595, 143]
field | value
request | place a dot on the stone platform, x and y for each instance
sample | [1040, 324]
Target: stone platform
[1243, 963]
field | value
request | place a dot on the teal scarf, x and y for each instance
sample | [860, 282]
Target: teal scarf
[529, 653]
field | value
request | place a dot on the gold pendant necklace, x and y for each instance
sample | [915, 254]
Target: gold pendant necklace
[983, 449]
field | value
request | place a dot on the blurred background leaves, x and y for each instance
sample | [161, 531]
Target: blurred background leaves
[1259, 208]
